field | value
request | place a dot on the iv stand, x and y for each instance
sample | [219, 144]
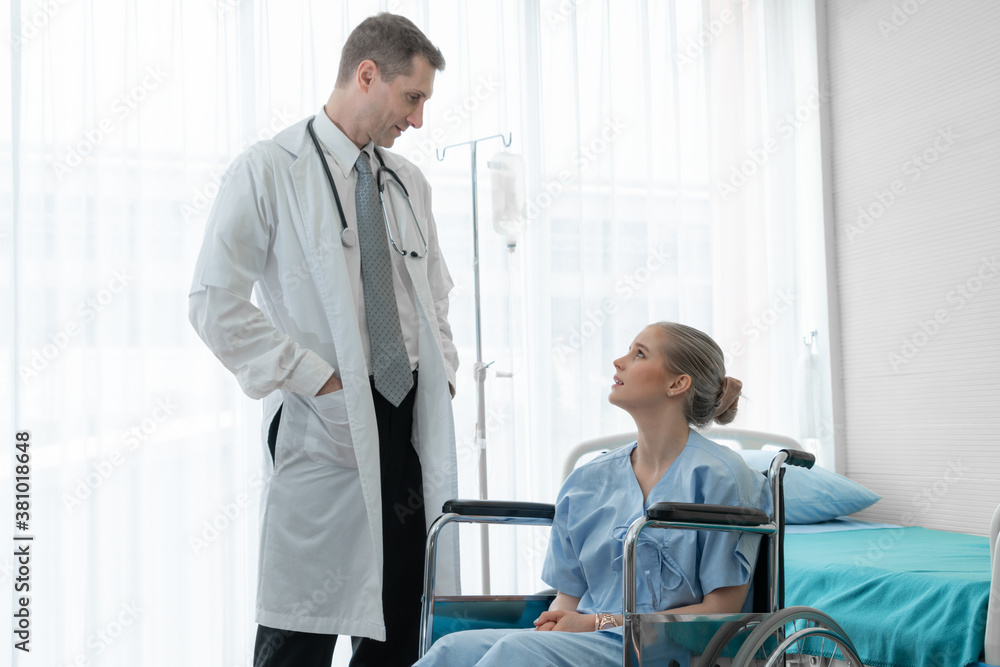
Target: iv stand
[479, 369]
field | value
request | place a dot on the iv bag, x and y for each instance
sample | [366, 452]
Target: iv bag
[507, 179]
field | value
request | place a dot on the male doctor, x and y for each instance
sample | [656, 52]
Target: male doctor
[359, 441]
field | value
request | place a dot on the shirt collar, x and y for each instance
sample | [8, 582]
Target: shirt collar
[343, 150]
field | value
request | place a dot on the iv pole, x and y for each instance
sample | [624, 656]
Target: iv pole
[479, 369]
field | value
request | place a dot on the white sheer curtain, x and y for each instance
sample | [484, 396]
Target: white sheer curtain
[673, 167]
[631, 117]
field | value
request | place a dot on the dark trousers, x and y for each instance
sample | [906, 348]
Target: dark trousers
[403, 534]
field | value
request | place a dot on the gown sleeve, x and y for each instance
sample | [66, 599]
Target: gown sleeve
[728, 558]
[562, 570]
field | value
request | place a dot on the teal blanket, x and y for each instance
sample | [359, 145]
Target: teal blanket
[907, 597]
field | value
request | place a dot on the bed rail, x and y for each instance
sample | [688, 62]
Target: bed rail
[748, 440]
[991, 649]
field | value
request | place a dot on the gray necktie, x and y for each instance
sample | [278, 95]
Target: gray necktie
[390, 362]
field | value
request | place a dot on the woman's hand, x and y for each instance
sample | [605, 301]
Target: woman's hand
[564, 620]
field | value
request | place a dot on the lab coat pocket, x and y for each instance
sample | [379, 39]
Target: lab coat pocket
[328, 437]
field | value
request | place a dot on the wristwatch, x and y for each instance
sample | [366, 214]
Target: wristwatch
[605, 621]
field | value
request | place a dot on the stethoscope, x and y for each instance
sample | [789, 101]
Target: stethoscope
[384, 177]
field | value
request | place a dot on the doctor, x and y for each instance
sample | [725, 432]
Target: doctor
[349, 346]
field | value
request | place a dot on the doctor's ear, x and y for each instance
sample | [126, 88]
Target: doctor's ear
[366, 74]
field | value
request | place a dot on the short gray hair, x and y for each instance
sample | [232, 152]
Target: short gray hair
[390, 41]
[692, 352]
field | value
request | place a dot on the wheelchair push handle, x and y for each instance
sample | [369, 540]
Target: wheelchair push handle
[796, 457]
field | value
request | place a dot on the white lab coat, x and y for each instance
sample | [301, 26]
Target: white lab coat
[275, 228]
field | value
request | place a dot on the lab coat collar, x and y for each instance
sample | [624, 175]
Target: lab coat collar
[344, 151]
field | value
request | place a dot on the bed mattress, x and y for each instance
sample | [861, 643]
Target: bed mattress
[907, 597]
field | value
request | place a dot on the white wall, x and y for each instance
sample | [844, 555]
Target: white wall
[914, 139]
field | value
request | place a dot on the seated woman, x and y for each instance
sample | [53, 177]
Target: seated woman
[672, 378]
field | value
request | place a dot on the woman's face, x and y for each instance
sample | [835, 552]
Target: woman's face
[641, 376]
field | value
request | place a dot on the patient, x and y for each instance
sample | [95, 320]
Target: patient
[672, 378]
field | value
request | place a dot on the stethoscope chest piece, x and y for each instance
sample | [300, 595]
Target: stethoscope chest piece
[349, 237]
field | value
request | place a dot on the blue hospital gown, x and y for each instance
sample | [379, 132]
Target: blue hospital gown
[595, 507]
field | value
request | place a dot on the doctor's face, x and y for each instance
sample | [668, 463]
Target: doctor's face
[641, 376]
[399, 104]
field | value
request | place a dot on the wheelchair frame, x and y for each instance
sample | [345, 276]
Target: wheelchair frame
[767, 637]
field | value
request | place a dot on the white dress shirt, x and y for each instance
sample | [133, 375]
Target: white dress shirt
[341, 154]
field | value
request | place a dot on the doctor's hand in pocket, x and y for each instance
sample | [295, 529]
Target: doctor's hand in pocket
[331, 385]
[328, 433]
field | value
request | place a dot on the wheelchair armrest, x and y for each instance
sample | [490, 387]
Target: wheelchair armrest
[797, 457]
[727, 515]
[500, 508]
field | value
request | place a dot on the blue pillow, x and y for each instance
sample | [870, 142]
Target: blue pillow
[816, 494]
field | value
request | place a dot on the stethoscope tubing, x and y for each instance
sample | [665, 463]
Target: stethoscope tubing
[348, 237]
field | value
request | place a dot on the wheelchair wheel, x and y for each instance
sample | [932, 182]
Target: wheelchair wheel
[719, 652]
[797, 636]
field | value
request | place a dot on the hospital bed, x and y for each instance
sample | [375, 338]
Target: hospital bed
[903, 596]
[906, 596]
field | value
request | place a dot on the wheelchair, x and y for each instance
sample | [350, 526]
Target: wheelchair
[769, 635]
